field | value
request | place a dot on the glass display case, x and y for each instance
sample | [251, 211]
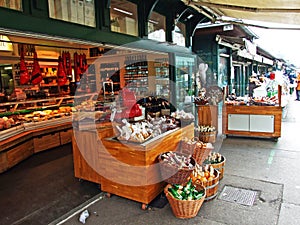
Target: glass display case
[185, 70]
[162, 78]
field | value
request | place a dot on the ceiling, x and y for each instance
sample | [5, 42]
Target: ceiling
[275, 11]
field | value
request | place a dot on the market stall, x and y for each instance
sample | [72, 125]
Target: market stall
[100, 157]
[260, 117]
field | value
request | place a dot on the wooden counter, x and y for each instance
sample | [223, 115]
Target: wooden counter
[254, 121]
[19, 147]
[126, 169]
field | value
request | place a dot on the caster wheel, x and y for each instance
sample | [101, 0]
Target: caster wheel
[108, 195]
[144, 206]
[80, 180]
[275, 139]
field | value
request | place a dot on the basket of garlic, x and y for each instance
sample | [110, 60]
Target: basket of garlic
[206, 133]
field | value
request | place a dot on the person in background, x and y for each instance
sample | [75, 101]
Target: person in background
[253, 83]
[292, 77]
[298, 87]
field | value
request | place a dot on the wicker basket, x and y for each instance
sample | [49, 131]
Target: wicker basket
[185, 209]
[173, 175]
[187, 147]
[208, 137]
[201, 153]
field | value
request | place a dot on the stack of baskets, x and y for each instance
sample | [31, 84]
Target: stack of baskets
[192, 154]
[174, 173]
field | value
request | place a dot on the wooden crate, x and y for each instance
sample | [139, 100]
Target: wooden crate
[65, 136]
[19, 153]
[45, 142]
[3, 162]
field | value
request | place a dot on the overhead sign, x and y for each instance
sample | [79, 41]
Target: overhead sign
[5, 44]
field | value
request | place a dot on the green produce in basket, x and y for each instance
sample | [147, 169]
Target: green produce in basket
[187, 192]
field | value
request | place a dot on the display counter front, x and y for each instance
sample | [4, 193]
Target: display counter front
[123, 168]
[252, 121]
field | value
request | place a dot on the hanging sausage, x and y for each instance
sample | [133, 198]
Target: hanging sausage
[24, 75]
[76, 67]
[84, 66]
[68, 64]
[36, 76]
[61, 75]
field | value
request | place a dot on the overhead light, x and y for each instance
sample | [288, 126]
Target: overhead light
[123, 11]
[8, 68]
[190, 16]
[153, 21]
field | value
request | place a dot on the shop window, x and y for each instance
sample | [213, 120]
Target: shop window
[75, 11]
[123, 16]
[12, 4]
[178, 34]
[157, 27]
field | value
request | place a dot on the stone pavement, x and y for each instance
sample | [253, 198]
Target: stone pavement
[262, 165]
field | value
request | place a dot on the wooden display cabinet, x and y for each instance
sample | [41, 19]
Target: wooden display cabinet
[252, 121]
[128, 170]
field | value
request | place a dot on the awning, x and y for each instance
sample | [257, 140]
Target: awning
[275, 11]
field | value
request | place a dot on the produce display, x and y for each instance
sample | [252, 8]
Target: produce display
[214, 158]
[204, 128]
[203, 174]
[262, 101]
[186, 192]
[176, 160]
[144, 130]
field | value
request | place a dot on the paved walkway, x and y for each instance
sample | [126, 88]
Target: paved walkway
[269, 168]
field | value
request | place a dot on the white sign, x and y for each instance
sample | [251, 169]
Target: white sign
[4, 44]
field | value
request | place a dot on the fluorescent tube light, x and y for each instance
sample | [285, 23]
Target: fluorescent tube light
[123, 11]
[153, 21]
[190, 16]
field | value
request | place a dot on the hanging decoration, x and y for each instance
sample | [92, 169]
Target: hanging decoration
[36, 76]
[61, 75]
[24, 75]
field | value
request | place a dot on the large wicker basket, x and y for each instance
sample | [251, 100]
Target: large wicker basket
[172, 174]
[185, 209]
[201, 152]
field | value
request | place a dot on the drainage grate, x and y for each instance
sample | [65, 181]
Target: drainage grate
[238, 195]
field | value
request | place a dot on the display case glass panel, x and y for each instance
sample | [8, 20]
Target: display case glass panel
[74, 11]
[162, 78]
[185, 78]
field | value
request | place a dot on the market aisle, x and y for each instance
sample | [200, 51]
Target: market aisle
[42, 188]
